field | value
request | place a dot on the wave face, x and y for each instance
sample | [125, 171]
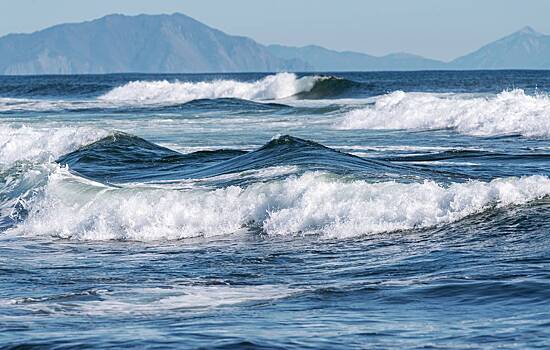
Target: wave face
[272, 87]
[508, 113]
[329, 87]
[122, 158]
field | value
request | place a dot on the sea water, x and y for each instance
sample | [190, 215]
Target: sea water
[341, 210]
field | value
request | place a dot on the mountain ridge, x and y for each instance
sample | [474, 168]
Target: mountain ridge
[176, 43]
[523, 49]
[144, 43]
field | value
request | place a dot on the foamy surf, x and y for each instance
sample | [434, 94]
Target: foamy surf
[314, 203]
[272, 87]
[42, 143]
[509, 112]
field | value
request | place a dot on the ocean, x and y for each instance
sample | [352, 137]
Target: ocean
[275, 211]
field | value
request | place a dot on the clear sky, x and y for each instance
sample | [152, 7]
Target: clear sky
[442, 29]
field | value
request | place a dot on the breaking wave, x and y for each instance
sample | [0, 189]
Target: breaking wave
[121, 187]
[313, 203]
[507, 113]
[272, 87]
[38, 144]
[269, 88]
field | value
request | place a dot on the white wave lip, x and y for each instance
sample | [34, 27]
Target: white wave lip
[313, 203]
[272, 87]
[38, 144]
[509, 112]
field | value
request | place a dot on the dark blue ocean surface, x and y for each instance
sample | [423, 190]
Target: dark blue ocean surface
[356, 210]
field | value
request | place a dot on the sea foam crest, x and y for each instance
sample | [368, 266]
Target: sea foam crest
[313, 203]
[38, 144]
[271, 87]
[509, 112]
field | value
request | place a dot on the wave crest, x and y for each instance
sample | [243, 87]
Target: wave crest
[272, 87]
[38, 144]
[507, 113]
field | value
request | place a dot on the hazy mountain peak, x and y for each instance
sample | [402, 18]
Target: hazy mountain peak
[524, 49]
[528, 30]
[176, 43]
[170, 43]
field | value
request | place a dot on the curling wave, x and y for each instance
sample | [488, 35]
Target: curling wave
[329, 87]
[269, 88]
[507, 113]
[272, 87]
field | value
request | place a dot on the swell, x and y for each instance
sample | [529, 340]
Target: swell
[16, 106]
[120, 158]
[49, 86]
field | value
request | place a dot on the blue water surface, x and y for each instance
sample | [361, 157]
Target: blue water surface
[178, 215]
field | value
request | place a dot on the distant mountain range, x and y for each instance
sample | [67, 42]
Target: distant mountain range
[524, 49]
[321, 59]
[147, 44]
[179, 44]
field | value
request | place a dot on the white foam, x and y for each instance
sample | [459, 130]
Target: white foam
[313, 203]
[159, 300]
[272, 87]
[509, 112]
[40, 143]
[45, 105]
[153, 300]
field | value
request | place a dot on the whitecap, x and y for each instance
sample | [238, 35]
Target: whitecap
[40, 143]
[313, 203]
[272, 87]
[509, 112]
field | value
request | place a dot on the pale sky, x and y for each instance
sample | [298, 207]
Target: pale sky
[442, 29]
